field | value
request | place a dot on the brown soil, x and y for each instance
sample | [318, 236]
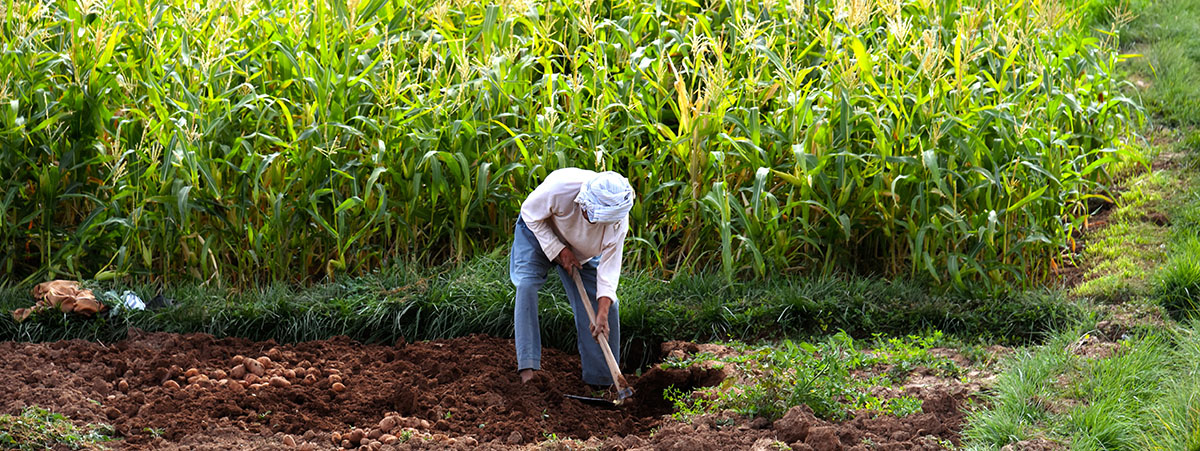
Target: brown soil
[940, 422]
[460, 393]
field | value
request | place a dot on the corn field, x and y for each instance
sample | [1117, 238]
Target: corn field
[245, 141]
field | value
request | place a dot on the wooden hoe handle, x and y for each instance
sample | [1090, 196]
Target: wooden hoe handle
[617, 378]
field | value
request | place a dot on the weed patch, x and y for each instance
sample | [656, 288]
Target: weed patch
[832, 377]
[36, 428]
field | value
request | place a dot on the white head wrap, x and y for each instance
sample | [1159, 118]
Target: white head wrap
[606, 198]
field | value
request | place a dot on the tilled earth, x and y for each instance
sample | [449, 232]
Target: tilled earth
[170, 391]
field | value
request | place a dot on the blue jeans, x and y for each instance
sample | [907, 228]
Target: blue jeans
[527, 267]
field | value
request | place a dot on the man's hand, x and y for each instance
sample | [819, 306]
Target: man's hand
[567, 260]
[600, 327]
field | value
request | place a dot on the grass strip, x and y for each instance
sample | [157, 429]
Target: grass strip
[476, 298]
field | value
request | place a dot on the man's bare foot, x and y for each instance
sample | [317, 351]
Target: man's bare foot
[526, 375]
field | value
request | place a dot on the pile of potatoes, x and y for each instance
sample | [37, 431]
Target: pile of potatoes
[260, 373]
[390, 431]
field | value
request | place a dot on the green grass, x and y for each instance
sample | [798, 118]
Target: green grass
[1177, 282]
[1089, 403]
[1177, 286]
[1175, 416]
[1018, 403]
[477, 298]
[1167, 34]
[36, 428]
[1121, 256]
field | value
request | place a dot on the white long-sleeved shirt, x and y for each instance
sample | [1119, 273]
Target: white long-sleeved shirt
[558, 222]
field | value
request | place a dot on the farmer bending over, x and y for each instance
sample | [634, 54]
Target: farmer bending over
[577, 219]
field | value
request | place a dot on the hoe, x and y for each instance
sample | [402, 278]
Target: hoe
[624, 391]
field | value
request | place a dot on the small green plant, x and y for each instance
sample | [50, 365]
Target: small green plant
[36, 428]
[688, 361]
[155, 432]
[903, 406]
[687, 405]
[406, 435]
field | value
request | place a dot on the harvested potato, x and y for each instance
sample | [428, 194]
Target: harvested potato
[387, 424]
[280, 382]
[191, 372]
[218, 375]
[255, 367]
[123, 386]
[289, 373]
[238, 371]
[265, 361]
[171, 384]
[356, 436]
[338, 387]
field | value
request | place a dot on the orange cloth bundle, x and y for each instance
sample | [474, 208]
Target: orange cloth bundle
[62, 295]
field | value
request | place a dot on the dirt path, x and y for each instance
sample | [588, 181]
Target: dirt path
[459, 393]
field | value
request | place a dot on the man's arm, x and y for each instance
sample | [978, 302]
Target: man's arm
[608, 275]
[537, 211]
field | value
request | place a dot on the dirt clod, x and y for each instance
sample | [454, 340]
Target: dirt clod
[823, 438]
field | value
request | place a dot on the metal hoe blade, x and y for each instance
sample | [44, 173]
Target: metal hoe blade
[593, 401]
[624, 394]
